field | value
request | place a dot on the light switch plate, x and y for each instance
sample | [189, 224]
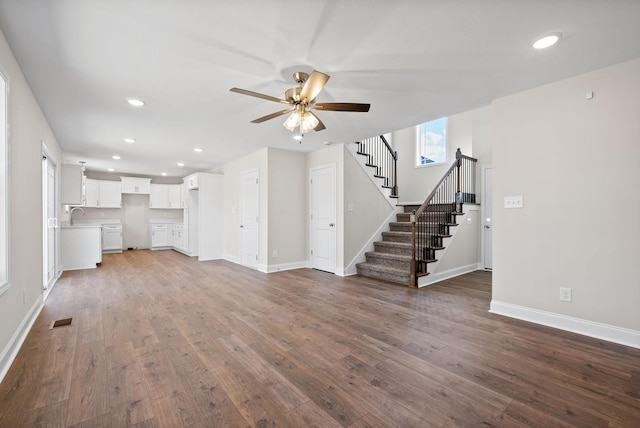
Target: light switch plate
[513, 202]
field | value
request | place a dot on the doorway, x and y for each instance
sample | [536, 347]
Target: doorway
[322, 226]
[49, 224]
[249, 221]
[487, 207]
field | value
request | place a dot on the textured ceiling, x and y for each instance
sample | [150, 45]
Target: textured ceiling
[412, 60]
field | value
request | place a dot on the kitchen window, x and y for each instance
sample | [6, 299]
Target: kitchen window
[4, 187]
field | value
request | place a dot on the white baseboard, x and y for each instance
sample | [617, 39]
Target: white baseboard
[607, 332]
[285, 266]
[441, 276]
[232, 259]
[10, 352]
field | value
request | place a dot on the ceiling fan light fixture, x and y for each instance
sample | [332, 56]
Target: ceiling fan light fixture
[309, 123]
[293, 121]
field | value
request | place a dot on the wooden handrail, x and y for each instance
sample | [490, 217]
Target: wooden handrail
[455, 164]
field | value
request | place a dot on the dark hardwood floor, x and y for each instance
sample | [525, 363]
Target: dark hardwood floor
[162, 340]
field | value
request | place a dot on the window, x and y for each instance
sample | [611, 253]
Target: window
[4, 187]
[431, 142]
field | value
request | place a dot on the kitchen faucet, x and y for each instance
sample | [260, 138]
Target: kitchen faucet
[71, 214]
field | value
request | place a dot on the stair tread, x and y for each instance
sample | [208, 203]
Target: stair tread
[390, 256]
[383, 268]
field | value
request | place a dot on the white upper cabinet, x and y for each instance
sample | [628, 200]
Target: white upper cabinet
[192, 181]
[136, 185]
[165, 196]
[72, 187]
[110, 194]
[102, 194]
[175, 195]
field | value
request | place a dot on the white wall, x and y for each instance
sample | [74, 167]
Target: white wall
[371, 209]
[28, 130]
[287, 193]
[576, 163]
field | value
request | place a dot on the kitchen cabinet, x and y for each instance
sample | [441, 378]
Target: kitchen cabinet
[136, 185]
[112, 237]
[165, 196]
[72, 185]
[159, 236]
[175, 195]
[192, 181]
[81, 247]
[180, 239]
[103, 194]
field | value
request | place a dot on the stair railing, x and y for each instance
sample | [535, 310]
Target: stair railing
[383, 158]
[430, 223]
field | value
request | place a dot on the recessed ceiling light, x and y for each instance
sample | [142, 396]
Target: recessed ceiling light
[116, 157]
[110, 169]
[297, 137]
[163, 174]
[135, 102]
[547, 41]
[180, 164]
[198, 150]
[129, 140]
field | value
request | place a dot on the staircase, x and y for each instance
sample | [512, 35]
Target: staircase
[415, 238]
[392, 257]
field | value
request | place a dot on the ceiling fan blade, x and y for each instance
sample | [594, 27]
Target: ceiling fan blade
[270, 116]
[342, 107]
[313, 86]
[320, 126]
[258, 95]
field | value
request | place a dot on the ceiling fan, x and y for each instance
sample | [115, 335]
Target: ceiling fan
[301, 99]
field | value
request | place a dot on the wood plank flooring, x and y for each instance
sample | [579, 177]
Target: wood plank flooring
[162, 340]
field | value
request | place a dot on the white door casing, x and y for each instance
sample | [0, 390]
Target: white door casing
[49, 224]
[249, 221]
[322, 224]
[487, 232]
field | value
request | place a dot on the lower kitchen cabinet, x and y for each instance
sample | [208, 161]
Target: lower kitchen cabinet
[111, 237]
[159, 236]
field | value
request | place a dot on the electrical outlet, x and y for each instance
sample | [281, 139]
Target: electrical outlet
[565, 294]
[275, 254]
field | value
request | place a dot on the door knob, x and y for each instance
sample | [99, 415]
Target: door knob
[486, 226]
[331, 224]
[241, 226]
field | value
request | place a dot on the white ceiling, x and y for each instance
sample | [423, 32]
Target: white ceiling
[412, 60]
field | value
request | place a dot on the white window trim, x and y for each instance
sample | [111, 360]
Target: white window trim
[417, 145]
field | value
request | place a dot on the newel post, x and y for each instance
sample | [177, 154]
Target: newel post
[413, 279]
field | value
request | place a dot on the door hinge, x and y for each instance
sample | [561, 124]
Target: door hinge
[256, 181]
[312, 252]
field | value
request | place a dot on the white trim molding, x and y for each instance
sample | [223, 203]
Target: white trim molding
[606, 332]
[11, 351]
[447, 274]
[284, 266]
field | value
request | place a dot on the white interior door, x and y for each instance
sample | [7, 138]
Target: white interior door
[487, 192]
[249, 226]
[322, 204]
[49, 224]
